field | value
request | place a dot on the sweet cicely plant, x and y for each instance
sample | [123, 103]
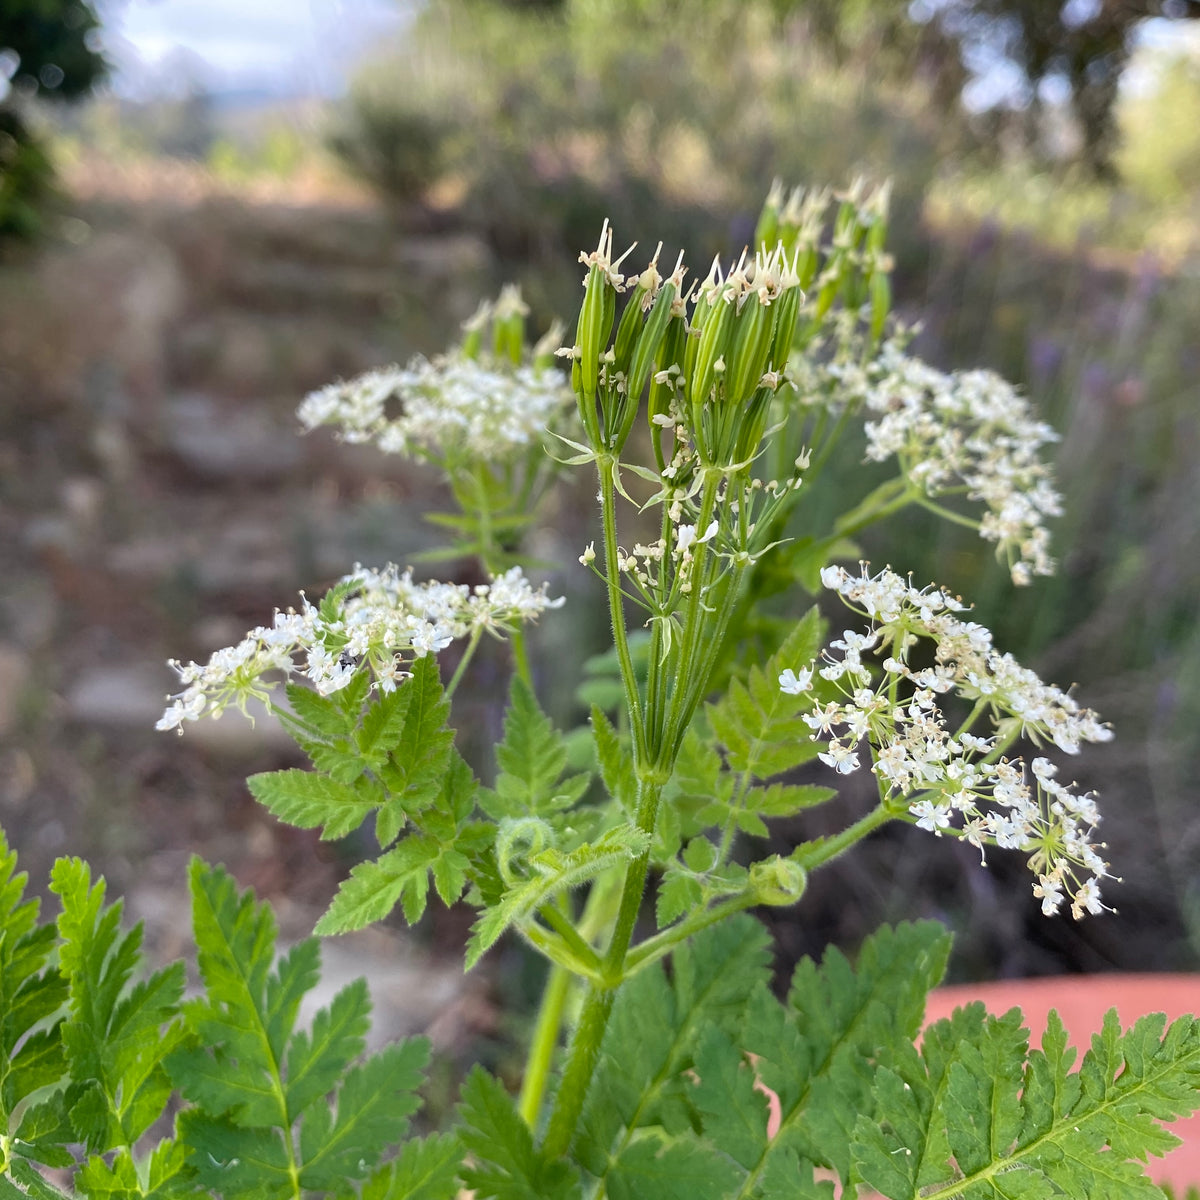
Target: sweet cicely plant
[660, 1064]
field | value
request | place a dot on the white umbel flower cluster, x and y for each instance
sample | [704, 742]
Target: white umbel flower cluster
[448, 407]
[374, 620]
[968, 432]
[958, 782]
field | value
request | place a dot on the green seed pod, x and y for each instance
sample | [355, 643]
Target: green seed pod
[629, 329]
[509, 338]
[877, 234]
[878, 231]
[843, 222]
[754, 424]
[807, 263]
[671, 354]
[787, 315]
[700, 314]
[647, 351]
[766, 232]
[592, 331]
[834, 270]
[881, 304]
[608, 314]
[714, 338]
[749, 345]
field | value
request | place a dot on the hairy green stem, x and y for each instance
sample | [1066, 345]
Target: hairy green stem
[679, 714]
[463, 662]
[607, 466]
[654, 948]
[521, 658]
[545, 1040]
[563, 925]
[817, 854]
[947, 514]
[553, 947]
[585, 1050]
[597, 1006]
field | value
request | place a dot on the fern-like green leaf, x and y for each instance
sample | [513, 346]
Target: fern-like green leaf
[615, 761]
[322, 717]
[277, 1108]
[375, 888]
[389, 759]
[758, 724]
[419, 753]
[425, 1169]
[308, 799]
[116, 1037]
[532, 759]
[441, 851]
[819, 1054]
[650, 1039]
[658, 1168]
[504, 1163]
[984, 1119]
[370, 1112]
[32, 994]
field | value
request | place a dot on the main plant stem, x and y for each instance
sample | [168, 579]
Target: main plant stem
[597, 1005]
[654, 759]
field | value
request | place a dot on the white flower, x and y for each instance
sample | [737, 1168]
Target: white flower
[795, 682]
[379, 622]
[841, 758]
[448, 406]
[1049, 891]
[949, 782]
[933, 817]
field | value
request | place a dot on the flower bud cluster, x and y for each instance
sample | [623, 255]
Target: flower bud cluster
[484, 402]
[712, 356]
[854, 265]
[374, 620]
[957, 782]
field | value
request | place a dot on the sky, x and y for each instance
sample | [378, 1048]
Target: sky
[280, 47]
[310, 47]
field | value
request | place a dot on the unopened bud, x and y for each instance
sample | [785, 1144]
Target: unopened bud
[778, 881]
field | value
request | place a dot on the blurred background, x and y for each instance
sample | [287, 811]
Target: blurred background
[209, 207]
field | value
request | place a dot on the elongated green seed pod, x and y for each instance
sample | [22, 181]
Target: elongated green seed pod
[834, 271]
[808, 261]
[766, 232]
[629, 329]
[787, 314]
[608, 314]
[714, 338]
[754, 422]
[592, 334]
[881, 304]
[671, 354]
[877, 233]
[509, 338]
[749, 345]
[651, 339]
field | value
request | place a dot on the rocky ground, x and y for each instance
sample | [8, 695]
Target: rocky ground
[156, 500]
